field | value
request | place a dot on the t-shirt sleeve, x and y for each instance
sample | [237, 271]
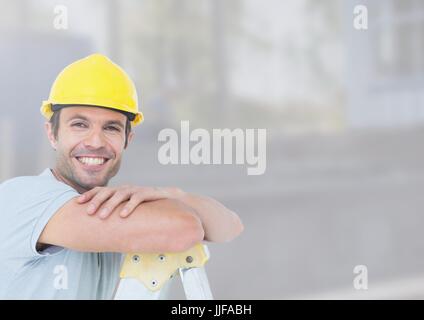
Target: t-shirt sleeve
[26, 206]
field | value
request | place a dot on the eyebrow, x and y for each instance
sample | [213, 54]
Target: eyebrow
[110, 122]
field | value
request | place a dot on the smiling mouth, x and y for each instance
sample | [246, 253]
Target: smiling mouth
[92, 161]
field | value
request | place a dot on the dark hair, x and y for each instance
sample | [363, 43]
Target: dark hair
[55, 120]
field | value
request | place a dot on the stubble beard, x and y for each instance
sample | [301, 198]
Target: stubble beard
[69, 172]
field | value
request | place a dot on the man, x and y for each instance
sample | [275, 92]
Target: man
[67, 223]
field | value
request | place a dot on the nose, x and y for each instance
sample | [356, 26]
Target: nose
[95, 139]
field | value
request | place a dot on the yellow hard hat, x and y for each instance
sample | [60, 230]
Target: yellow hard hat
[94, 81]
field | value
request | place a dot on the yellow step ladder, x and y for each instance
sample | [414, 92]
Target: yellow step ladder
[146, 276]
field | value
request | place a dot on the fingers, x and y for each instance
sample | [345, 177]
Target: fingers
[87, 196]
[134, 201]
[143, 194]
[174, 192]
[108, 199]
[114, 201]
[99, 198]
[154, 193]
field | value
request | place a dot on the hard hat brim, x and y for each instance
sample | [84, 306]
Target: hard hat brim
[47, 109]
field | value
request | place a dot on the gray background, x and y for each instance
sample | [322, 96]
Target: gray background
[343, 109]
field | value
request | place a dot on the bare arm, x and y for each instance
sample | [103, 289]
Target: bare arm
[219, 223]
[165, 225]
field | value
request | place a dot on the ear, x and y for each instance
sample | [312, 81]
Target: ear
[130, 137]
[50, 135]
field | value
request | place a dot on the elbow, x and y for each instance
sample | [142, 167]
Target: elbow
[184, 234]
[195, 233]
[171, 227]
[189, 233]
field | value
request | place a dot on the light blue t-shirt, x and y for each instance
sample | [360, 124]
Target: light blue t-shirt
[26, 205]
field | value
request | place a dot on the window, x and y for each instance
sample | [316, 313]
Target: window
[397, 35]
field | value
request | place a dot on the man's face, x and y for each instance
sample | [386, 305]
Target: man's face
[89, 146]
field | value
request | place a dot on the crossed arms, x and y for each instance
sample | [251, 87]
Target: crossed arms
[154, 220]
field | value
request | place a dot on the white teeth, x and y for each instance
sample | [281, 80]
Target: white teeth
[91, 161]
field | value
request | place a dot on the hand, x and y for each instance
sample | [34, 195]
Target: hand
[112, 197]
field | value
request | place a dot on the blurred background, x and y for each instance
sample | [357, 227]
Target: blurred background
[343, 109]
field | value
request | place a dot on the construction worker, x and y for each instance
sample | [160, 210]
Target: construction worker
[62, 233]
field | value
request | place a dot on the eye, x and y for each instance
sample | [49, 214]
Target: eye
[112, 128]
[78, 125]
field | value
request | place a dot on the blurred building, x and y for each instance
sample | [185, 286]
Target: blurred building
[327, 202]
[386, 64]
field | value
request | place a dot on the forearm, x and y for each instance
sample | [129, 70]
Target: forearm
[156, 226]
[219, 223]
